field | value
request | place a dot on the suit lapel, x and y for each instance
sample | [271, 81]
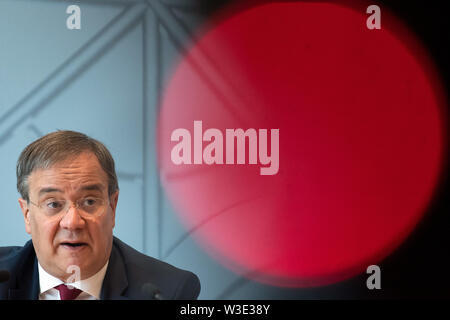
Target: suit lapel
[115, 281]
[26, 291]
[27, 277]
[26, 280]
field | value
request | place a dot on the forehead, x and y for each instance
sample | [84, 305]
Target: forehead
[73, 173]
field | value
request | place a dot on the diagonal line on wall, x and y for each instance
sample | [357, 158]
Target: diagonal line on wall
[204, 65]
[223, 89]
[59, 69]
[234, 286]
[245, 279]
[129, 176]
[71, 69]
[35, 130]
[210, 217]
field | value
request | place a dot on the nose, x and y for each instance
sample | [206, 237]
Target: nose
[72, 220]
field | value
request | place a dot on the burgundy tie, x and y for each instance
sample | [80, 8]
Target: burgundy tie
[67, 294]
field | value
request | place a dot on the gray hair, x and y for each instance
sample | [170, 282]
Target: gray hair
[59, 146]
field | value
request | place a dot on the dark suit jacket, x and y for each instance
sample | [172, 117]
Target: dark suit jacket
[128, 270]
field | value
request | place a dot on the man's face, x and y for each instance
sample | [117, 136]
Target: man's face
[70, 237]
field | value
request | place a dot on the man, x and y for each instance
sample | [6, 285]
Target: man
[69, 193]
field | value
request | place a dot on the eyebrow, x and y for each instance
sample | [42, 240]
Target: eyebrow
[91, 187]
[48, 190]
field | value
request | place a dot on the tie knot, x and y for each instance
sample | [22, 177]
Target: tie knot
[67, 293]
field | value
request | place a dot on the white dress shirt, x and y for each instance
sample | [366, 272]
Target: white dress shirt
[90, 287]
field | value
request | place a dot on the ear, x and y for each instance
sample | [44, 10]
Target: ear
[26, 214]
[113, 199]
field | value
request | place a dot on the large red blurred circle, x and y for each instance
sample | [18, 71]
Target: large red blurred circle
[361, 141]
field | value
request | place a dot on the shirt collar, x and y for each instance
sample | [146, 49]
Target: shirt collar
[92, 285]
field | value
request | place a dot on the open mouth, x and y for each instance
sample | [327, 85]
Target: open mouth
[73, 245]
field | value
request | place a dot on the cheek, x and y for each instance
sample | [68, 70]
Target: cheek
[109, 220]
[43, 231]
[101, 229]
[50, 229]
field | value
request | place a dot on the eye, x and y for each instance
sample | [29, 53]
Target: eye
[54, 204]
[89, 202]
